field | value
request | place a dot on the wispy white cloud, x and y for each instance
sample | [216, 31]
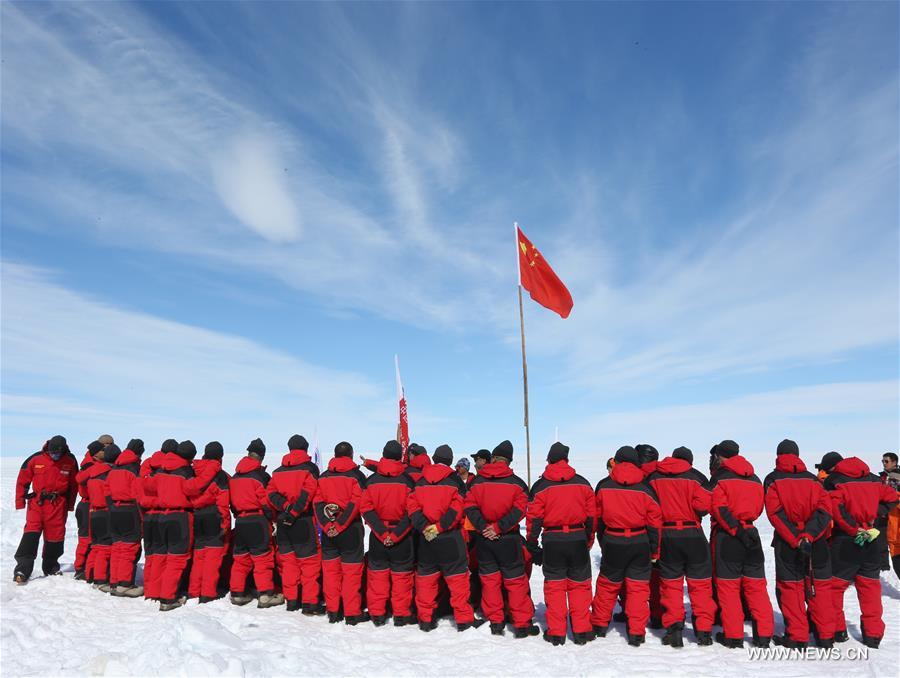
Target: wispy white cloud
[81, 365]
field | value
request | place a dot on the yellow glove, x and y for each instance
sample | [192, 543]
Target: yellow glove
[873, 533]
[430, 532]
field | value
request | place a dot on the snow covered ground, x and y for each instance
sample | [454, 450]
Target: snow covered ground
[57, 626]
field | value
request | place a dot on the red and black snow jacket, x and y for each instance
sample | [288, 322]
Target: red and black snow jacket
[796, 503]
[561, 501]
[125, 485]
[149, 466]
[648, 468]
[497, 497]
[417, 464]
[681, 492]
[737, 495]
[48, 478]
[247, 489]
[627, 506]
[293, 486]
[436, 500]
[858, 497]
[175, 485]
[215, 498]
[94, 478]
[86, 463]
[384, 501]
[342, 485]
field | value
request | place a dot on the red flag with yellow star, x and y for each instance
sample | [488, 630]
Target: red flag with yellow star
[536, 276]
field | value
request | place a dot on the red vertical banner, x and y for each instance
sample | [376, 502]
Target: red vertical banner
[403, 424]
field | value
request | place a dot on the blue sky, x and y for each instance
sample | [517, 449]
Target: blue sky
[223, 220]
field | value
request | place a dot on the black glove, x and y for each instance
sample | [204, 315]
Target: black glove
[286, 518]
[805, 547]
[537, 553]
[747, 538]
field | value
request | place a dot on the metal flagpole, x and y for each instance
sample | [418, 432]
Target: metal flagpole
[524, 362]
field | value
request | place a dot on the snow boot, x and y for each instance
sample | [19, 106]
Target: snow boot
[428, 626]
[167, 606]
[704, 637]
[526, 631]
[292, 605]
[465, 626]
[620, 617]
[79, 575]
[871, 641]
[826, 643]
[270, 600]
[379, 619]
[635, 640]
[354, 619]
[555, 640]
[202, 600]
[788, 642]
[335, 617]
[103, 588]
[20, 578]
[600, 631]
[312, 609]
[674, 636]
[730, 643]
[498, 628]
[582, 638]
[761, 641]
[404, 621]
[240, 598]
[841, 636]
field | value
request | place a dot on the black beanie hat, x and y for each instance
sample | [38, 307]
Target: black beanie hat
[829, 460]
[392, 450]
[626, 455]
[442, 455]
[136, 445]
[343, 449]
[683, 453]
[504, 449]
[169, 445]
[57, 444]
[646, 453]
[110, 453]
[187, 450]
[94, 448]
[727, 449]
[213, 450]
[787, 446]
[557, 452]
[298, 442]
[257, 447]
[415, 449]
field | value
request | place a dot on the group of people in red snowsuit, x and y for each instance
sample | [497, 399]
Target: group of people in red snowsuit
[298, 537]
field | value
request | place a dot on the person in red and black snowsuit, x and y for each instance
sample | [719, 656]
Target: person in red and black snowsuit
[51, 474]
[212, 526]
[628, 530]
[391, 557]
[292, 491]
[337, 502]
[562, 505]
[93, 478]
[800, 511]
[435, 509]
[418, 461]
[125, 490]
[495, 504]
[858, 500]
[684, 551]
[83, 512]
[253, 514]
[153, 551]
[175, 486]
[737, 501]
[649, 457]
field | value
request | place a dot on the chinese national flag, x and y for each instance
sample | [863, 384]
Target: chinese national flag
[536, 276]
